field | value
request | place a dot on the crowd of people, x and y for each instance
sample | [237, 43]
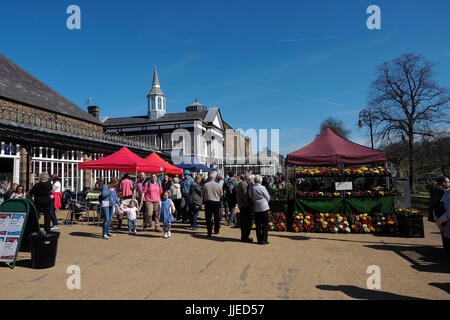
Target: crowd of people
[165, 201]
[46, 194]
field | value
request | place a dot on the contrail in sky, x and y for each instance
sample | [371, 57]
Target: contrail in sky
[313, 38]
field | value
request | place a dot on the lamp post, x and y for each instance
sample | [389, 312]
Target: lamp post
[365, 118]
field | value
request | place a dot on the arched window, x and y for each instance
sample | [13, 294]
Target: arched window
[159, 103]
[153, 103]
[164, 103]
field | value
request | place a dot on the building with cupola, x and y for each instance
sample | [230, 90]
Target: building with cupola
[197, 132]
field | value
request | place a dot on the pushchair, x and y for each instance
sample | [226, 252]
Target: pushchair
[78, 207]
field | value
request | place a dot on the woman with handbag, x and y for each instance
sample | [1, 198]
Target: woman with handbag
[195, 201]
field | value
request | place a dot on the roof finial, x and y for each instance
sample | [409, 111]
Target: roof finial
[155, 78]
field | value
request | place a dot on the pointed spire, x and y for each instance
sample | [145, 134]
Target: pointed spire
[155, 78]
[156, 89]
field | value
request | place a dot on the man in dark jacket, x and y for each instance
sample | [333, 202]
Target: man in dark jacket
[166, 184]
[229, 191]
[42, 201]
[243, 202]
[436, 193]
[185, 189]
[195, 201]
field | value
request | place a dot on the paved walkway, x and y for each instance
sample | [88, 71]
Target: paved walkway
[189, 266]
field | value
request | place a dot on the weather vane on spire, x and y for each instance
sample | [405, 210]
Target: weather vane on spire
[88, 101]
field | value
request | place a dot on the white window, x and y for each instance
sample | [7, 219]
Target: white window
[159, 103]
[153, 103]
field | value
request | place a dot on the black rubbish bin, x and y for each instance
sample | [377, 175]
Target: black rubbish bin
[43, 249]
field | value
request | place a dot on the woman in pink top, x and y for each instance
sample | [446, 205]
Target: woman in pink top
[126, 187]
[152, 197]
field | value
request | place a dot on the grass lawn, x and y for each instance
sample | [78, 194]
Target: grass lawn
[420, 201]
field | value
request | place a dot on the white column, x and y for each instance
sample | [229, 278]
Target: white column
[16, 170]
[80, 176]
[73, 180]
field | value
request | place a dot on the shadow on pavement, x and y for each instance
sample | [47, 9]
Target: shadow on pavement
[202, 235]
[360, 293]
[85, 234]
[361, 241]
[289, 237]
[23, 263]
[443, 286]
[422, 258]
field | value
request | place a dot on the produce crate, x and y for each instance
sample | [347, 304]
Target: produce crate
[411, 227]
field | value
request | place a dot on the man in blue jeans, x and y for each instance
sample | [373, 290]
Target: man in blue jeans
[185, 189]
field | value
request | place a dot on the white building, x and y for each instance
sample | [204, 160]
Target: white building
[198, 132]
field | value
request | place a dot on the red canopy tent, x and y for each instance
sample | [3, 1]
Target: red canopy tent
[168, 168]
[123, 160]
[329, 149]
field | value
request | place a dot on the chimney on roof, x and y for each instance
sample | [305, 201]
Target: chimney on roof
[94, 111]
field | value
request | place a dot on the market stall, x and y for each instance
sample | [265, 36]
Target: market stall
[193, 165]
[339, 186]
[168, 168]
[123, 160]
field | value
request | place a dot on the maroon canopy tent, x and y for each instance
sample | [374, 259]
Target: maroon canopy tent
[329, 149]
[123, 160]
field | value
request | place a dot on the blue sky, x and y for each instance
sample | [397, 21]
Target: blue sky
[284, 65]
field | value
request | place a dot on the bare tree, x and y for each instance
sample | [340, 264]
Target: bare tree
[397, 154]
[406, 102]
[337, 126]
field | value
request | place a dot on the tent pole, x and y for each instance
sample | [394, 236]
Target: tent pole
[76, 190]
[295, 184]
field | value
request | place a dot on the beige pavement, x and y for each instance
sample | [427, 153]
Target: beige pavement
[189, 266]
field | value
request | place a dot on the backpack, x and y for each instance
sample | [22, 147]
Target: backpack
[230, 188]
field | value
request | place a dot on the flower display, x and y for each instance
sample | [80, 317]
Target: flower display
[317, 194]
[278, 194]
[380, 223]
[364, 171]
[297, 225]
[330, 172]
[321, 222]
[413, 213]
[385, 223]
[318, 172]
[361, 223]
[277, 221]
[308, 222]
[377, 192]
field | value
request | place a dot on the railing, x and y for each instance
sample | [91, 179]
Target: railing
[37, 120]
